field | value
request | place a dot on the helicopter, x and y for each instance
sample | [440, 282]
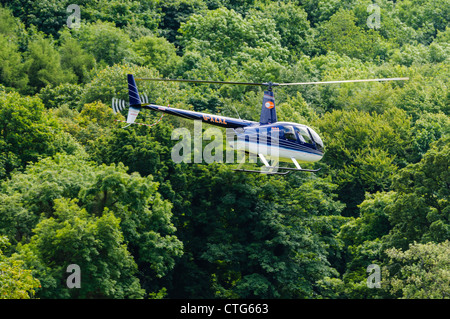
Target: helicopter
[268, 138]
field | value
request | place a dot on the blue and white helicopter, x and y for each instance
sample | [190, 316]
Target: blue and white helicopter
[268, 138]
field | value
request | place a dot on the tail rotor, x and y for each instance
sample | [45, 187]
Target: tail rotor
[118, 105]
[136, 101]
[144, 98]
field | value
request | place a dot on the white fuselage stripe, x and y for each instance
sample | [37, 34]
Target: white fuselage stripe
[276, 152]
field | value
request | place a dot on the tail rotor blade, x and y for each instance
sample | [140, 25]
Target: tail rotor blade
[144, 98]
[118, 105]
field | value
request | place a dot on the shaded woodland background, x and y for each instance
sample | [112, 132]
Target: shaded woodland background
[76, 188]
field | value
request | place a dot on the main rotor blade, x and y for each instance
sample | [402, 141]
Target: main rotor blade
[270, 84]
[201, 81]
[343, 81]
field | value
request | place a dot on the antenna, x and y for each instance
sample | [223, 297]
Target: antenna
[236, 111]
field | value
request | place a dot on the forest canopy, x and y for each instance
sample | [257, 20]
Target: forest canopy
[76, 188]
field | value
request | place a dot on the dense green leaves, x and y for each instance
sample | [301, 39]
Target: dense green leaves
[278, 255]
[156, 53]
[367, 147]
[27, 133]
[16, 282]
[105, 42]
[11, 69]
[342, 35]
[420, 272]
[95, 244]
[416, 211]
[87, 213]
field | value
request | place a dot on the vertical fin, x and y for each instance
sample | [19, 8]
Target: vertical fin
[135, 100]
[133, 93]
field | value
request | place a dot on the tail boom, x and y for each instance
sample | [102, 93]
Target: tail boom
[204, 117]
[136, 105]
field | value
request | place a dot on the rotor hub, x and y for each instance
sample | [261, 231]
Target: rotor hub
[270, 84]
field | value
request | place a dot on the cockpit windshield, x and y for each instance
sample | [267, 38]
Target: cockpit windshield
[303, 134]
[317, 139]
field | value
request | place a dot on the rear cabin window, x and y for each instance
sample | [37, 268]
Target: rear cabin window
[289, 133]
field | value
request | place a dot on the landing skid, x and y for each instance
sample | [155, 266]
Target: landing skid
[261, 172]
[290, 169]
[273, 170]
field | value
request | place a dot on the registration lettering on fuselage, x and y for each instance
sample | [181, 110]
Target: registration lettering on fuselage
[214, 119]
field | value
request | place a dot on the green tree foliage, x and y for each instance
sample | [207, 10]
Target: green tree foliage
[415, 212]
[9, 25]
[43, 64]
[428, 129]
[364, 150]
[28, 133]
[420, 272]
[122, 13]
[342, 35]
[223, 34]
[174, 13]
[276, 256]
[156, 53]
[11, 68]
[423, 198]
[95, 244]
[286, 15]
[426, 17]
[219, 34]
[322, 10]
[48, 15]
[51, 15]
[12, 39]
[140, 152]
[433, 99]
[107, 43]
[16, 282]
[74, 57]
[66, 94]
[108, 83]
[115, 216]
